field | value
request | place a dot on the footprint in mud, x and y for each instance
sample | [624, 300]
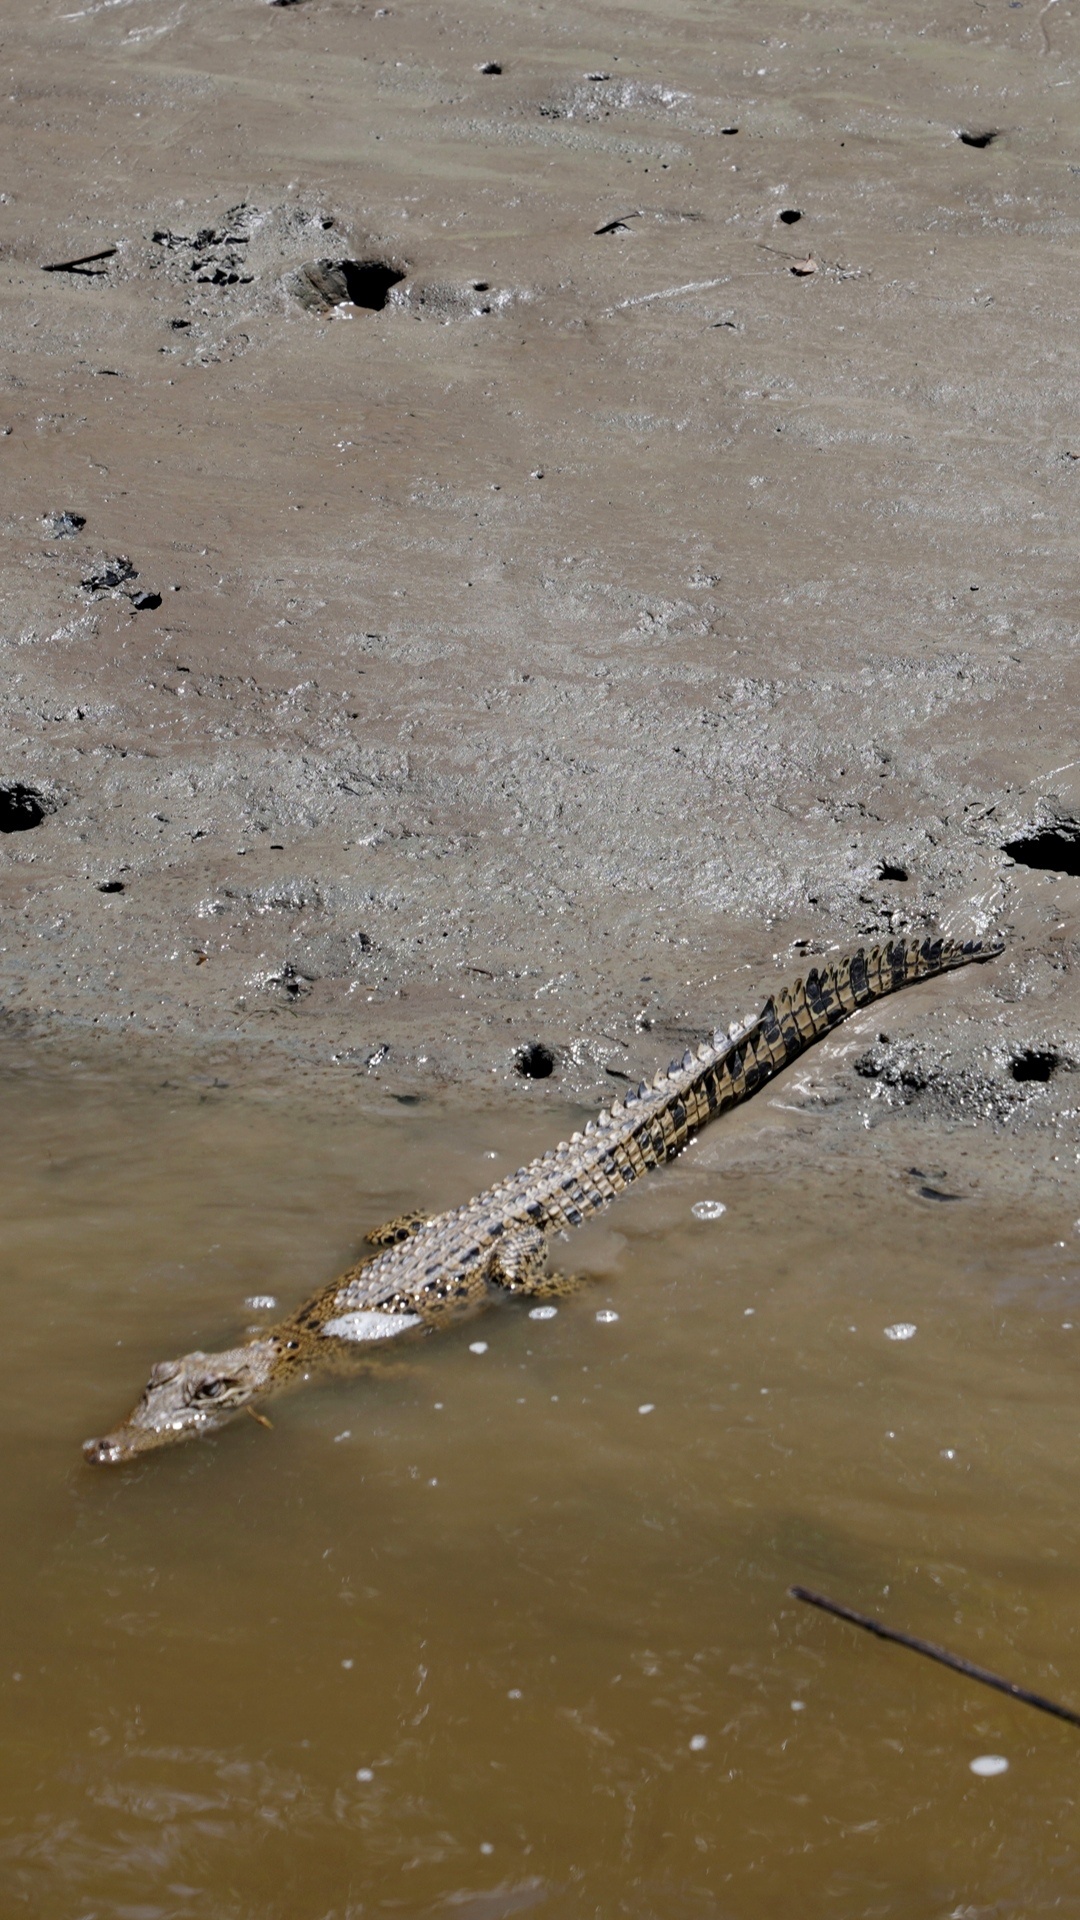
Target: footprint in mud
[321, 285]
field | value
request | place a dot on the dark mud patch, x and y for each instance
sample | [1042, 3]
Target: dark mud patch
[1048, 850]
[22, 808]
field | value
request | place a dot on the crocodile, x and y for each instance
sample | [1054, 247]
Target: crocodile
[426, 1273]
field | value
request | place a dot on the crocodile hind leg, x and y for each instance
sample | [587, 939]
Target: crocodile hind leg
[393, 1232]
[518, 1264]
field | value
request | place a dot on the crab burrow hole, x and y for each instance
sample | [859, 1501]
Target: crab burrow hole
[1048, 850]
[21, 808]
[535, 1062]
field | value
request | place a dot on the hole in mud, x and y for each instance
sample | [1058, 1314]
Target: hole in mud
[536, 1062]
[331, 283]
[368, 282]
[1034, 1063]
[888, 871]
[729, 130]
[1049, 850]
[789, 215]
[21, 808]
[490, 66]
[481, 286]
[984, 139]
[110, 886]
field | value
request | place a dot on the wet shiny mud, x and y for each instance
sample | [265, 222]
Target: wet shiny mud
[506, 1631]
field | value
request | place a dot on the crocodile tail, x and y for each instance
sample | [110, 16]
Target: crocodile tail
[793, 1019]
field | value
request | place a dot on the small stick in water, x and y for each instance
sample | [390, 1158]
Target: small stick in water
[940, 1654]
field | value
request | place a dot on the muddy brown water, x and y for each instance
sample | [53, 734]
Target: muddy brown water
[481, 1635]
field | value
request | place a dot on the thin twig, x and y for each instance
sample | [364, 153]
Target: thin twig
[940, 1654]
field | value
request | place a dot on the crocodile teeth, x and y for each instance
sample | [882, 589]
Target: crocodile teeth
[688, 1060]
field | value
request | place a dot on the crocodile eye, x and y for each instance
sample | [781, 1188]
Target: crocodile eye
[212, 1389]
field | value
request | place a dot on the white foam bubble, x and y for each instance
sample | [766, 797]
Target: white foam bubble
[903, 1330]
[542, 1313]
[986, 1765]
[708, 1209]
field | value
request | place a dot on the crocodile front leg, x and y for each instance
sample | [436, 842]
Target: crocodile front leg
[519, 1264]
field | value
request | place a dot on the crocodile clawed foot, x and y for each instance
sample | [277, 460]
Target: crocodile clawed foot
[559, 1286]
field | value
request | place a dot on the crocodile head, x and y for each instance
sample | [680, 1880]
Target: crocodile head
[182, 1398]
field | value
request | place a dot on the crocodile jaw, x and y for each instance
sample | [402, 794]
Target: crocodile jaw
[182, 1398]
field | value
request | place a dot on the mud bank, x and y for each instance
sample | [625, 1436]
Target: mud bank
[522, 528]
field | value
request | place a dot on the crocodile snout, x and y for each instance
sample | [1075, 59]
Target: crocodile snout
[106, 1452]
